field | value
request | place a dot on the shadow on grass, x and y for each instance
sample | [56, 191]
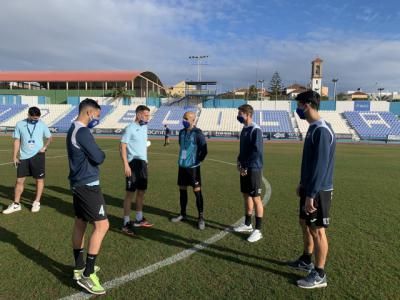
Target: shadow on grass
[155, 234]
[60, 271]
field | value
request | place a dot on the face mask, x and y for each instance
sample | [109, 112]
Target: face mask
[301, 113]
[186, 124]
[33, 122]
[240, 119]
[141, 122]
[93, 122]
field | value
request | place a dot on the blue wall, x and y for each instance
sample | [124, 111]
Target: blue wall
[223, 103]
[73, 100]
[10, 99]
[395, 108]
[153, 102]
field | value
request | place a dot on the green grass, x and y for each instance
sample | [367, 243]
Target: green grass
[364, 262]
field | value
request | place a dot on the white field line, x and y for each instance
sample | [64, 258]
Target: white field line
[177, 257]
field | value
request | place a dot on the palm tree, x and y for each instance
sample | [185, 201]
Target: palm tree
[120, 93]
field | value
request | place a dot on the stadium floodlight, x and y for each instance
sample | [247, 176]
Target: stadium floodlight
[334, 80]
[380, 93]
[262, 88]
[198, 59]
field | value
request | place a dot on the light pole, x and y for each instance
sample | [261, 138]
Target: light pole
[380, 93]
[262, 88]
[334, 80]
[198, 59]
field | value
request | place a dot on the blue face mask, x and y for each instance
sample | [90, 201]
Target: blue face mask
[93, 122]
[240, 119]
[186, 124]
[141, 122]
[300, 113]
[33, 122]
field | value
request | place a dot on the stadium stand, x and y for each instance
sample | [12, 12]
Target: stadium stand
[273, 121]
[373, 124]
[121, 116]
[8, 111]
[338, 123]
[218, 119]
[50, 113]
[169, 115]
[64, 123]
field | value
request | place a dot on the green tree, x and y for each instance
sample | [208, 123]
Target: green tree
[252, 93]
[275, 85]
[120, 93]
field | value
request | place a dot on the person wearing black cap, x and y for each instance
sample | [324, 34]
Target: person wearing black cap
[314, 190]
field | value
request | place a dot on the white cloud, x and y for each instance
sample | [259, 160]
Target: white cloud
[160, 35]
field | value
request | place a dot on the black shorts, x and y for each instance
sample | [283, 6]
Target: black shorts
[189, 177]
[322, 203]
[89, 204]
[138, 180]
[251, 183]
[34, 166]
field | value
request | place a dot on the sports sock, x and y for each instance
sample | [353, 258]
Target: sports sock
[90, 261]
[199, 203]
[258, 223]
[306, 257]
[139, 216]
[127, 219]
[78, 255]
[247, 220]
[320, 271]
[183, 198]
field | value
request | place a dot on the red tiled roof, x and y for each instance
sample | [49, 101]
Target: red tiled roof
[71, 76]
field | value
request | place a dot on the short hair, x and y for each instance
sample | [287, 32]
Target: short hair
[88, 103]
[309, 97]
[34, 111]
[246, 108]
[141, 108]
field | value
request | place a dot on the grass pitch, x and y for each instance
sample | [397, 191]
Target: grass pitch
[364, 262]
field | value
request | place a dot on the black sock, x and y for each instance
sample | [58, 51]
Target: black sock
[90, 261]
[78, 255]
[247, 220]
[258, 223]
[183, 200]
[320, 271]
[306, 257]
[199, 203]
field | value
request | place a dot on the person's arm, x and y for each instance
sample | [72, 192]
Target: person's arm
[322, 140]
[17, 144]
[86, 141]
[124, 157]
[201, 146]
[49, 138]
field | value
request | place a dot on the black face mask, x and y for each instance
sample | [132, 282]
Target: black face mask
[33, 122]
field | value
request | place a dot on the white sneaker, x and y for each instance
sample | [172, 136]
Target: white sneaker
[243, 228]
[178, 219]
[255, 236]
[35, 206]
[13, 207]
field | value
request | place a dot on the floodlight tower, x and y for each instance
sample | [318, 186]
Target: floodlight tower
[198, 60]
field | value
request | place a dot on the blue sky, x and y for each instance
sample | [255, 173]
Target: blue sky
[359, 41]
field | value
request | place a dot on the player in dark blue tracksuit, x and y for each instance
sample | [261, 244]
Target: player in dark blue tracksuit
[192, 151]
[84, 158]
[315, 190]
[250, 166]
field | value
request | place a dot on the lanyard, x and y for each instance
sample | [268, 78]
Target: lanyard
[33, 130]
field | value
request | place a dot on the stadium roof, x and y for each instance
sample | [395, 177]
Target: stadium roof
[70, 76]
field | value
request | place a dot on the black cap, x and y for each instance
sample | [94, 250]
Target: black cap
[309, 97]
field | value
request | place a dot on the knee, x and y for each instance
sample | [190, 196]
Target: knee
[317, 233]
[102, 226]
[196, 189]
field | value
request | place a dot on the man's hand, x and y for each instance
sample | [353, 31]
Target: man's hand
[16, 161]
[309, 207]
[43, 150]
[127, 170]
[243, 172]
